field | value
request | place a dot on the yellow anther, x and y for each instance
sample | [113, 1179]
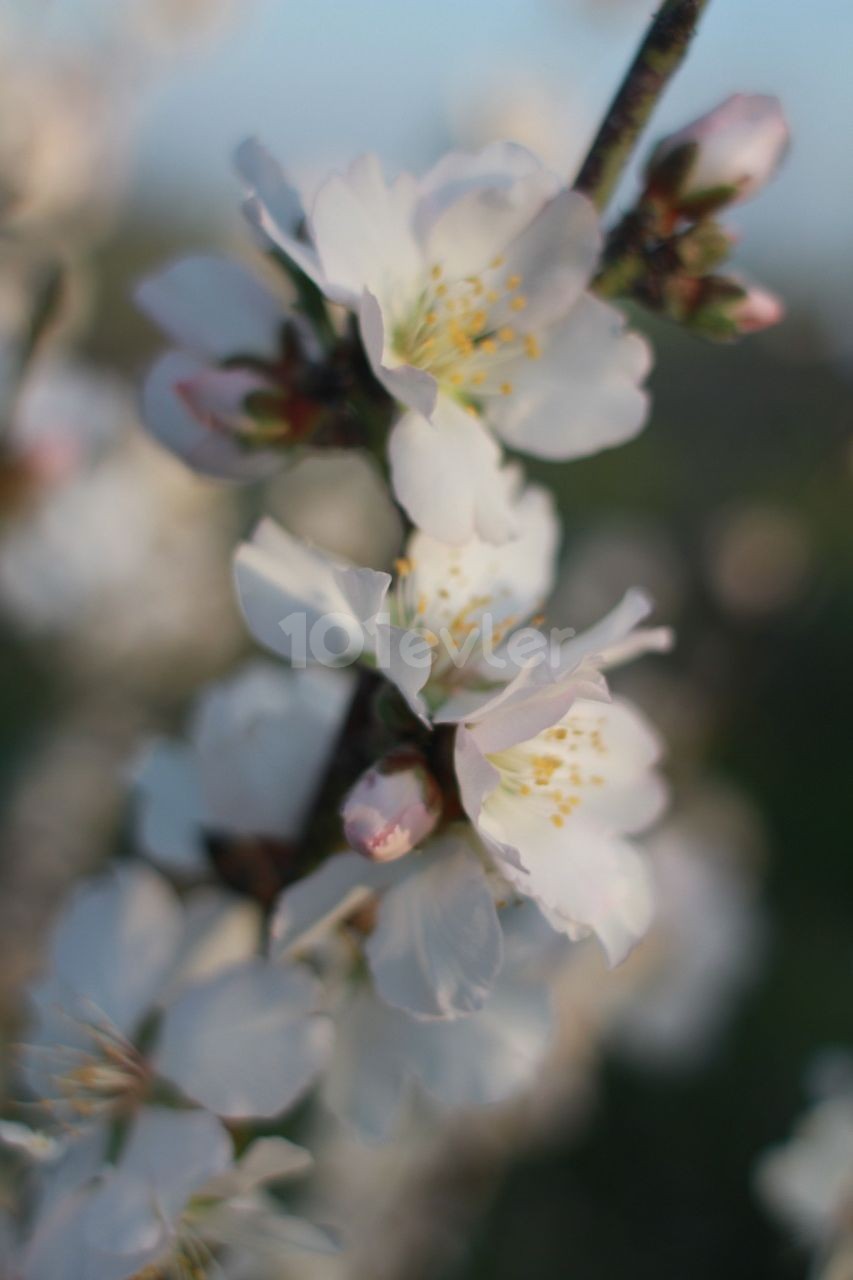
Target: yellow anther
[435, 271]
[478, 320]
[498, 262]
[489, 346]
[557, 820]
[456, 379]
[506, 388]
[519, 303]
[524, 790]
[403, 566]
[441, 291]
[431, 318]
[532, 348]
[478, 378]
[506, 333]
[514, 282]
[492, 295]
[476, 285]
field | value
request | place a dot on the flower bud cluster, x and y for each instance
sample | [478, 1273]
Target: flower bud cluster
[669, 251]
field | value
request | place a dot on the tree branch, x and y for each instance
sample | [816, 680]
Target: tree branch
[658, 58]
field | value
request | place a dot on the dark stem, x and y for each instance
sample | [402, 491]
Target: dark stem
[658, 58]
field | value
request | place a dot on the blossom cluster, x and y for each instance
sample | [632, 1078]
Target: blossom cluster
[360, 867]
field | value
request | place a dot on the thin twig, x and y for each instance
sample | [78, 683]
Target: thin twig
[658, 58]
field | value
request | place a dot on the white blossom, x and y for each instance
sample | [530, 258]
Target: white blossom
[258, 745]
[175, 1202]
[460, 605]
[215, 311]
[125, 952]
[470, 288]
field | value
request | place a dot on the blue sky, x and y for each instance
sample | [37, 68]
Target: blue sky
[323, 80]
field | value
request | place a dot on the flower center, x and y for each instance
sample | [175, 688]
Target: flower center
[553, 770]
[190, 1259]
[462, 331]
[463, 630]
[101, 1077]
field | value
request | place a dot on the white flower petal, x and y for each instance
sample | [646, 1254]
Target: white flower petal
[367, 1078]
[116, 941]
[221, 929]
[485, 1059]
[583, 394]
[554, 256]
[585, 880]
[437, 945]
[483, 219]
[507, 583]
[58, 1249]
[214, 307]
[176, 1153]
[413, 387]
[498, 164]
[208, 449]
[475, 1061]
[630, 796]
[273, 206]
[170, 808]
[447, 475]
[362, 228]
[247, 1042]
[533, 700]
[262, 740]
[543, 690]
[338, 887]
[125, 1230]
[280, 579]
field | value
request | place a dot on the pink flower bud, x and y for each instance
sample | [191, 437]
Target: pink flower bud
[392, 808]
[729, 154]
[759, 309]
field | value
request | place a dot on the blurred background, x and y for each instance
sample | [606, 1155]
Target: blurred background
[117, 122]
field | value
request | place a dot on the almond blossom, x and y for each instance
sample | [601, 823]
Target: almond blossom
[125, 953]
[235, 365]
[248, 734]
[175, 1203]
[470, 289]
[441, 623]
